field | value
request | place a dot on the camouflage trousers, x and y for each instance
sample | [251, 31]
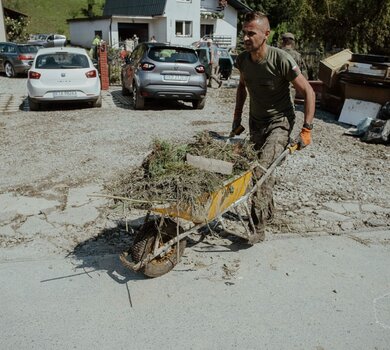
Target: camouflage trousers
[270, 140]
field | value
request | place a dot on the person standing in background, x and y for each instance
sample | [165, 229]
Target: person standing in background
[213, 64]
[288, 45]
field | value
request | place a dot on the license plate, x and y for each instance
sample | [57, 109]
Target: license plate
[64, 93]
[175, 77]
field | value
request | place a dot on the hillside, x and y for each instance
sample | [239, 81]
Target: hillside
[48, 16]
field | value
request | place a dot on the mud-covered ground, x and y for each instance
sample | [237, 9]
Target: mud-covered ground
[336, 184]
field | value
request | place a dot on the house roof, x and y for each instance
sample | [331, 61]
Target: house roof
[239, 6]
[12, 13]
[134, 7]
[150, 7]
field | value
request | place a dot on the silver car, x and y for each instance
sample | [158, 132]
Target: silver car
[48, 40]
[161, 71]
[16, 58]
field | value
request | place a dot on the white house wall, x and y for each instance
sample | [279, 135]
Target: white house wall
[162, 27]
[82, 33]
[177, 10]
[2, 25]
[159, 29]
[228, 25]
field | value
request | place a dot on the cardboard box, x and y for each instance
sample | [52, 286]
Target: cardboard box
[367, 93]
[329, 67]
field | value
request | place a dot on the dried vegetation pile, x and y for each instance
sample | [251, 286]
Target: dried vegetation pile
[164, 176]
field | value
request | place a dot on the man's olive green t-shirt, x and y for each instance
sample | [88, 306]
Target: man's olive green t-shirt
[268, 84]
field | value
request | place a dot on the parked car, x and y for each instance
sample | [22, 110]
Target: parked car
[16, 58]
[48, 40]
[225, 61]
[163, 71]
[64, 74]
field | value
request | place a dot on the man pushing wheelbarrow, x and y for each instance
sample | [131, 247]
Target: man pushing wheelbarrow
[266, 73]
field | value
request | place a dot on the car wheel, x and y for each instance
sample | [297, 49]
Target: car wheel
[9, 70]
[98, 102]
[199, 104]
[34, 106]
[138, 100]
[125, 90]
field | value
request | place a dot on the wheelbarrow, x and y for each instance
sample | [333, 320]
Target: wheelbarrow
[160, 243]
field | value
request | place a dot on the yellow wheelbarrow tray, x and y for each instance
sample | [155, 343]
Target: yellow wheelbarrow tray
[234, 195]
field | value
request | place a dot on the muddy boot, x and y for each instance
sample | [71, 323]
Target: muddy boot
[257, 236]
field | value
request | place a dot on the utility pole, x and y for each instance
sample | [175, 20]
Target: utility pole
[3, 37]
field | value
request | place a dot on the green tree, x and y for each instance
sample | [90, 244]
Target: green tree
[89, 10]
[361, 25]
[16, 29]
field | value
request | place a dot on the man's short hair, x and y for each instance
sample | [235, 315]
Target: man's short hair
[256, 16]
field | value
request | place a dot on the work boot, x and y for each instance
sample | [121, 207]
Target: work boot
[257, 236]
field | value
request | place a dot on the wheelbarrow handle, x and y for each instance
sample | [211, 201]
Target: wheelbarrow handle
[293, 148]
[271, 168]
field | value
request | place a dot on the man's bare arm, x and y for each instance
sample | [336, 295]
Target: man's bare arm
[241, 95]
[302, 85]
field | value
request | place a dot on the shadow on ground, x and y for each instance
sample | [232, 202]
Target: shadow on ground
[126, 102]
[101, 253]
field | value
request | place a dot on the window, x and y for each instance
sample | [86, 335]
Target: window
[183, 28]
[63, 60]
[206, 29]
[178, 55]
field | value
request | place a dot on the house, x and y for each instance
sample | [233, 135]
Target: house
[7, 12]
[175, 21]
[3, 37]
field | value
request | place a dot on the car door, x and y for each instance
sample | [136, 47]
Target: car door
[132, 66]
[50, 41]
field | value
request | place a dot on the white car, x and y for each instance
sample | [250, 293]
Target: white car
[64, 74]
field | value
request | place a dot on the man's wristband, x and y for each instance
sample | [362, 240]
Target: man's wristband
[308, 126]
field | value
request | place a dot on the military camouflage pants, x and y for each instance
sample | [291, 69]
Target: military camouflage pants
[270, 140]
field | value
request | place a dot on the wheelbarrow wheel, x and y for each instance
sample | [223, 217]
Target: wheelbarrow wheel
[144, 245]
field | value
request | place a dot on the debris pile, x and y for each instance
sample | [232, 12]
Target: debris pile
[164, 175]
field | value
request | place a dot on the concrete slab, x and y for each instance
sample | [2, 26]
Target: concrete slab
[82, 195]
[372, 208]
[35, 225]
[7, 231]
[74, 216]
[10, 203]
[330, 216]
[336, 207]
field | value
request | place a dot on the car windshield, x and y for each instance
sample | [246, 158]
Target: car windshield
[28, 49]
[170, 54]
[63, 60]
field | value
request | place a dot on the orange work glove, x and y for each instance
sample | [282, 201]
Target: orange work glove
[304, 138]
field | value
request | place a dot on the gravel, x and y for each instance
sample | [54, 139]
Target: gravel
[73, 146]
